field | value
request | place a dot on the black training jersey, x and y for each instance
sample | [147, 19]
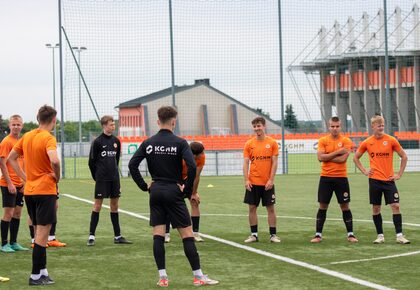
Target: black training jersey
[164, 153]
[104, 157]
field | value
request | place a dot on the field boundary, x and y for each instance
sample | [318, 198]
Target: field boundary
[261, 252]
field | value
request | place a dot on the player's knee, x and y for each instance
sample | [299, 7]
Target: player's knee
[344, 206]
[7, 214]
[376, 209]
[395, 207]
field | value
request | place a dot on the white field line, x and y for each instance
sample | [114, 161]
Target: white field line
[292, 217]
[378, 258]
[302, 218]
[264, 253]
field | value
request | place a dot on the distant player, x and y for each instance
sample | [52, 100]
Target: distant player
[333, 151]
[164, 153]
[103, 164]
[260, 166]
[42, 167]
[381, 148]
[200, 159]
[11, 189]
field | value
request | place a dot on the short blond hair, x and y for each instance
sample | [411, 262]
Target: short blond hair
[15, 117]
[377, 120]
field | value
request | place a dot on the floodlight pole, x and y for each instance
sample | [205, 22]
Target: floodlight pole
[283, 151]
[63, 171]
[79, 49]
[388, 105]
[171, 34]
[50, 46]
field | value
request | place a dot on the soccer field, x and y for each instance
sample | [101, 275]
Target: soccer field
[292, 264]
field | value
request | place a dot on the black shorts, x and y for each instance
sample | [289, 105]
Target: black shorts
[388, 188]
[167, 204]
[107, 189]
[12, 200]
[258, 193]
[41, 209]
[328, 185]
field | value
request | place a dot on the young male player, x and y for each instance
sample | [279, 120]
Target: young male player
[381, 148]
[11, 189]
[103, 164]
[42, 173]
[333, 151]
[260, 166]
[164, 153]
[200, 159]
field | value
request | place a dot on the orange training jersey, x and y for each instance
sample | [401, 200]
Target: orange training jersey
[327, 144]
[381, 155]
[34, 146]
[260, 153]
[5, 147]
[200, 160]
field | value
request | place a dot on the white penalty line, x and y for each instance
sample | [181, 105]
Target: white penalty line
[378, 258]
[263, 253]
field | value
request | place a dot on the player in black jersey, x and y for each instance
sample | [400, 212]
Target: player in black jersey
[164, 153]
[103, 164]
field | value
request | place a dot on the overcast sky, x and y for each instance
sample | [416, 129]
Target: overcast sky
[25, 63]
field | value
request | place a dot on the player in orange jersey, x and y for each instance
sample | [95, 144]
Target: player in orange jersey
[260, 166]
[42, 173]
[200, 159]
[381, 148]
[12, 189]
[333, 151]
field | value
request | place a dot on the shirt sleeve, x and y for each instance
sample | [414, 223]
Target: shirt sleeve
[19, 146]
[117, 157]
[4, 149]
[396, 146]
[246, 150]
[92, 159]
[51, 144]
[275, 148]
[348, 144]
[191, 167]
[133, 166]
[362, 147]
[321, 145]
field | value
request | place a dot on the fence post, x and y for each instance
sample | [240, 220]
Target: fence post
[217, 163]
[74, 165]
[286, 162]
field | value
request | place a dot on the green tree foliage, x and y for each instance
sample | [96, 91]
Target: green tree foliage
[290, 120]
[259, 110]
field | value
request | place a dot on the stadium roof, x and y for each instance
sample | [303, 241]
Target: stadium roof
[168, 91]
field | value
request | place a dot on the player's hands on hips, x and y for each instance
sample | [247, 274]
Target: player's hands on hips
[395, 177]
[195, 198]
[368, 172]
[248, 185]
[269, 185]
[11, 188]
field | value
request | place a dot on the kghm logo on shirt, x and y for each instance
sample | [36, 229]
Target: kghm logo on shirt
[260, 158]
[164, 150]
[108, 153]
[380, 154]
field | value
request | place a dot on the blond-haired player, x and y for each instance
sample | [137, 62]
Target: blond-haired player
[381, 148]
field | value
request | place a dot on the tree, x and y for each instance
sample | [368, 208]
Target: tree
[3, 128]
[259, 110]
[290, 120]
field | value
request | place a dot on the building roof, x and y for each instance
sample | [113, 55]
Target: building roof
[154, 96]
[168, 91]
